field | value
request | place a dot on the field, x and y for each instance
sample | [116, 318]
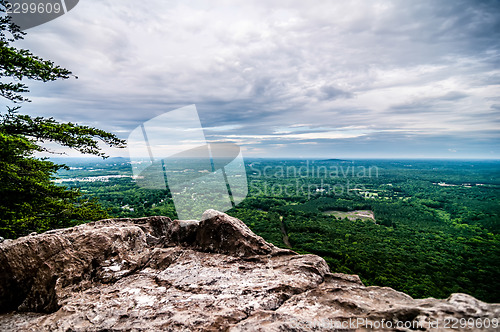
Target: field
[352, 215]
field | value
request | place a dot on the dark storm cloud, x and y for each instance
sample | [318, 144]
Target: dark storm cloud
[330, 93]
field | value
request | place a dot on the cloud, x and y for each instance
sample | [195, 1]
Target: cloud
[404, 71]
[328, 92]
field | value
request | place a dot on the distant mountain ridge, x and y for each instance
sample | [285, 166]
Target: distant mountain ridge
[334, 159]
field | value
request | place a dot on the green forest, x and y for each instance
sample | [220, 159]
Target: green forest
[434, 228]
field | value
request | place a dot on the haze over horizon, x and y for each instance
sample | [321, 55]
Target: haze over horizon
[358, 79]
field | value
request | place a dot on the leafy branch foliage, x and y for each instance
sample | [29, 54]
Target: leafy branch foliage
[30, 200]
[80, 138]
[19, 64]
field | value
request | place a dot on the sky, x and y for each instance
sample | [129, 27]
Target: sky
[284, 79]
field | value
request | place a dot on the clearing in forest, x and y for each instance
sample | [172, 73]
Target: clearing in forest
[352, 215]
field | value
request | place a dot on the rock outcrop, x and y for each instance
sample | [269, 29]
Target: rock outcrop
[155, 274]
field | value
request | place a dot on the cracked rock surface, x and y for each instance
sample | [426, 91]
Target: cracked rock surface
[155, 274]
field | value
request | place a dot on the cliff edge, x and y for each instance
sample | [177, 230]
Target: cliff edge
[155, 274]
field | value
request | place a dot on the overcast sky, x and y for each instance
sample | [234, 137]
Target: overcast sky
[325, 79]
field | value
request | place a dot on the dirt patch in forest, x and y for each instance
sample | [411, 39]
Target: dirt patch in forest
[352, 215]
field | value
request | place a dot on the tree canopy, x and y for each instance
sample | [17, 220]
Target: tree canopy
[31, 201]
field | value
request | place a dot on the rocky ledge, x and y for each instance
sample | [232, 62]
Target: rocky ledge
[155, 274]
